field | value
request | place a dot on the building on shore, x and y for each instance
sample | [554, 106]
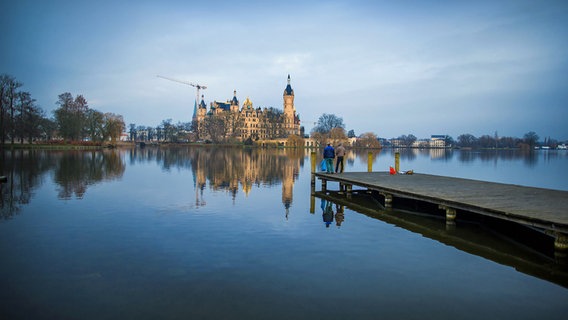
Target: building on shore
[247, 122]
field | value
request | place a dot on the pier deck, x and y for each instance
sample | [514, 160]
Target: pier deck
[542, 208]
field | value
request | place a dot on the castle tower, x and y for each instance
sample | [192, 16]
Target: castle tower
[289, 110]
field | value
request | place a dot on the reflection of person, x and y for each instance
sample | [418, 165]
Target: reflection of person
[327, 212]
[339, 216]
[328, 155]
[340, 153]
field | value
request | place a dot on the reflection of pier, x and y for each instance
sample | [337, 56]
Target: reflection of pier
[534, 207]
[466, 237]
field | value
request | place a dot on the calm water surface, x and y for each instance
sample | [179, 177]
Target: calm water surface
[206, 233]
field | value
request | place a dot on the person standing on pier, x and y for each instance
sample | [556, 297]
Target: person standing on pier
[340, 153]
[328, 156]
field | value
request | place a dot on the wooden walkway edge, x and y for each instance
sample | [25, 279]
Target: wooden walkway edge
[537, 207]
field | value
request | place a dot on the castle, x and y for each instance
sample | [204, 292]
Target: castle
[245, 122]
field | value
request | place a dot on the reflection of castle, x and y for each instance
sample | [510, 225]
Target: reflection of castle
[247, 122]
[237, 169]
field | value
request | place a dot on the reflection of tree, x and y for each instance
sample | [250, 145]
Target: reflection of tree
[78, 169]
[24, 170]
[530, 158]
[363, 155]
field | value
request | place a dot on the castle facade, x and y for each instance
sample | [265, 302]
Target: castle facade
[245, 121]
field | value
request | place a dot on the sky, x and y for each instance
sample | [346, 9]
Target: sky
[388, 67]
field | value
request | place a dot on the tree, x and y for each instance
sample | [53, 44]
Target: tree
[273, 123]
[531, 138]
[94, 125]
[351, 134]
[407, 140]
[449, 141]
[319, 138]
[71, 116]
[5, 84]
[113, 126]
[132, 132]
[326, 122]
[486, 141]
[47, 128]
[467, 140]
[167, 130]
[337, 135]
[368, 140]
[26, 118]
[11, 106]
[294, 141]
[215, 128]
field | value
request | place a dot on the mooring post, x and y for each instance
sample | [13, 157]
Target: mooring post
[313, 159]
[370, 162]
[397, 161]
[312, 203]
[313, 174]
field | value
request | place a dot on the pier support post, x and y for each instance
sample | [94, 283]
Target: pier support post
[323, 185]
[561, 243]
[450, 213]
[388, 199]
[349, 190]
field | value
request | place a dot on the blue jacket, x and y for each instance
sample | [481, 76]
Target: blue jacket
[329, 152]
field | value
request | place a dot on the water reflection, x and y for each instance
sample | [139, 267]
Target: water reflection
[466, 236]
[76, 170]
[73, 172]
[332, 211]
[530, 158]
[24, 170]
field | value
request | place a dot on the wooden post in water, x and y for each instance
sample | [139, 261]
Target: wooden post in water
[312, 203]
[397, 162]
[313, 182]
[370, 162]
[313, 158]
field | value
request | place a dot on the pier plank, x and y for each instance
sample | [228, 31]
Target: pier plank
[540, 207]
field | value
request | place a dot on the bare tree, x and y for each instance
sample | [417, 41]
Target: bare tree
[215, 128]
[368, 140]
[326, 122]
[531, 138]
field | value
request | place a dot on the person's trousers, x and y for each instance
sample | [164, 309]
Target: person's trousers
[329, 165]
[339, 162]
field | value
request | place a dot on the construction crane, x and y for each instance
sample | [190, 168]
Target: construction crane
[197, 86]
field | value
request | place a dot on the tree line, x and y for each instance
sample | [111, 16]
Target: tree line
[467, 140]
[23, 120]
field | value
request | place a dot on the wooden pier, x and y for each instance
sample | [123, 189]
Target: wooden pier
[545, 209]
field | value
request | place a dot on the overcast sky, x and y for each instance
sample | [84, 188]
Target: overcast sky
[387, 67]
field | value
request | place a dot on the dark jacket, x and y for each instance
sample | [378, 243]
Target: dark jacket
[329, 152]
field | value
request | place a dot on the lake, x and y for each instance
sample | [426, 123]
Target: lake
[232, 233]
